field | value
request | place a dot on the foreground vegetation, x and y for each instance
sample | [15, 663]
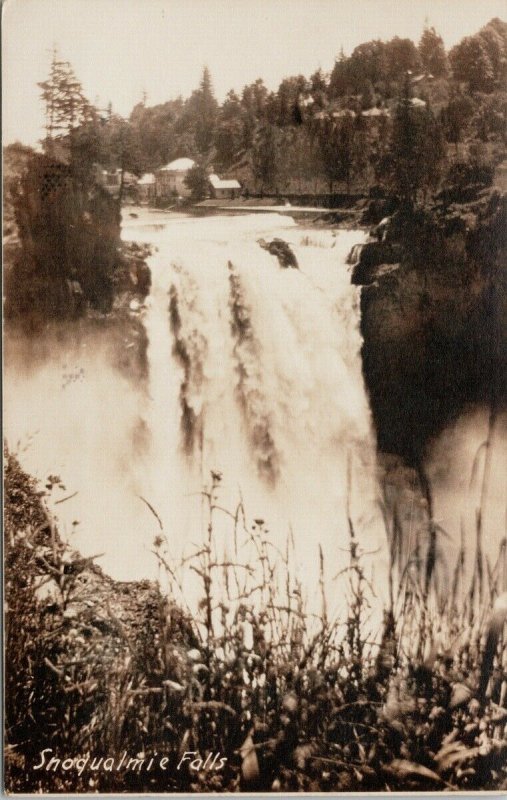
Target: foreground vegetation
[295, 701]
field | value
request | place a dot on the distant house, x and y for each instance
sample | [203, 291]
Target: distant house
[423, 83]
[146, 187]
[170, 180]
[223, 189]
[344, 113]
[111, 180]
[375, 113]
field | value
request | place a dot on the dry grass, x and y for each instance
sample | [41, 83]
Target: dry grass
[296, 701]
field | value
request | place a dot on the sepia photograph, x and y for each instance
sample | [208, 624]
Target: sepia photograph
[254, 396]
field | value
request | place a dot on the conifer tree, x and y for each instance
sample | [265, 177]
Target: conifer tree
[432, 53]
[65, 103]
[206, 110]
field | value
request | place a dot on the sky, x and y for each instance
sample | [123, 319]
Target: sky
[122, 48]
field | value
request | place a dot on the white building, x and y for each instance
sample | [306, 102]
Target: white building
[170, 180]
[146, 187]
[222, 189]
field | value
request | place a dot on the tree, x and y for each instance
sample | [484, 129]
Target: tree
[201, 113]
[286, 99]
[360, 150]
[69, 227]
[456, 117]
[368, 65]
[339, 82]
[318, 88]
[254, 99]
[471, 64]
[156, 132]
[196, 180]
[66, 106]
[401, 56]
[432, 53]
[265, 161]
[336, 147]
[494, 39]
[367, 96]
[229, 131]
[413, 162]
[345, 150]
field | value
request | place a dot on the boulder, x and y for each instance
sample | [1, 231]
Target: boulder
[283, 251]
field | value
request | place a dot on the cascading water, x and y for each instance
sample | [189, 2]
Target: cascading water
[254, 373]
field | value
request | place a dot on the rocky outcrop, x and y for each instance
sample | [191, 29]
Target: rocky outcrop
[371, 257]
[432, 310]
[282, 250]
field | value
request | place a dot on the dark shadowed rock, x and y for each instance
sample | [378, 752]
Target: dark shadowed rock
[283, 252]
[371, 256]
[434, 338]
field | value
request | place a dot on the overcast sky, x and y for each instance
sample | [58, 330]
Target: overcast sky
[120, 48]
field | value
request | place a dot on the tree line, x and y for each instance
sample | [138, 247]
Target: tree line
[397, 117]
[384, 107]
[393, 114]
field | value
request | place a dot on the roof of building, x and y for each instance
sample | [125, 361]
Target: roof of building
[417, 102]
[345, 112]
[146, 179]
[179, 165]
[375, 112]
[218, 183]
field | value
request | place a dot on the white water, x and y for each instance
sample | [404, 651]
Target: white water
[465, 480]
[281, 435]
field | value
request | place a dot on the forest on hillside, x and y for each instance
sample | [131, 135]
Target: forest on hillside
[388, 113]
[409, 123]
[343, 129]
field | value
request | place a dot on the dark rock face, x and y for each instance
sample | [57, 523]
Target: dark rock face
[377, 209]
[434, 339]
[371, 256]
[280, 249]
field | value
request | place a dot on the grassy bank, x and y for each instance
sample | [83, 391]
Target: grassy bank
[294, 701]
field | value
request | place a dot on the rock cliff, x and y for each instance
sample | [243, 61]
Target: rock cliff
[433, 306]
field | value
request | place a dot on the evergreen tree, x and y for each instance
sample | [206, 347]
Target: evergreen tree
[432, 53]
[66, 106]
[360, 150]
[339, 82]
[229, 131]
[414, 160]
[265, 158]
[456, 117]
[203, 111]
[328, 140]
[318, 87]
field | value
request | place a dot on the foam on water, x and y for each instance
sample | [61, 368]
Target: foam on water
[254, 372]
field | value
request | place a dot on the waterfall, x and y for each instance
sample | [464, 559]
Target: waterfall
[267, 388]
[254, 376]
